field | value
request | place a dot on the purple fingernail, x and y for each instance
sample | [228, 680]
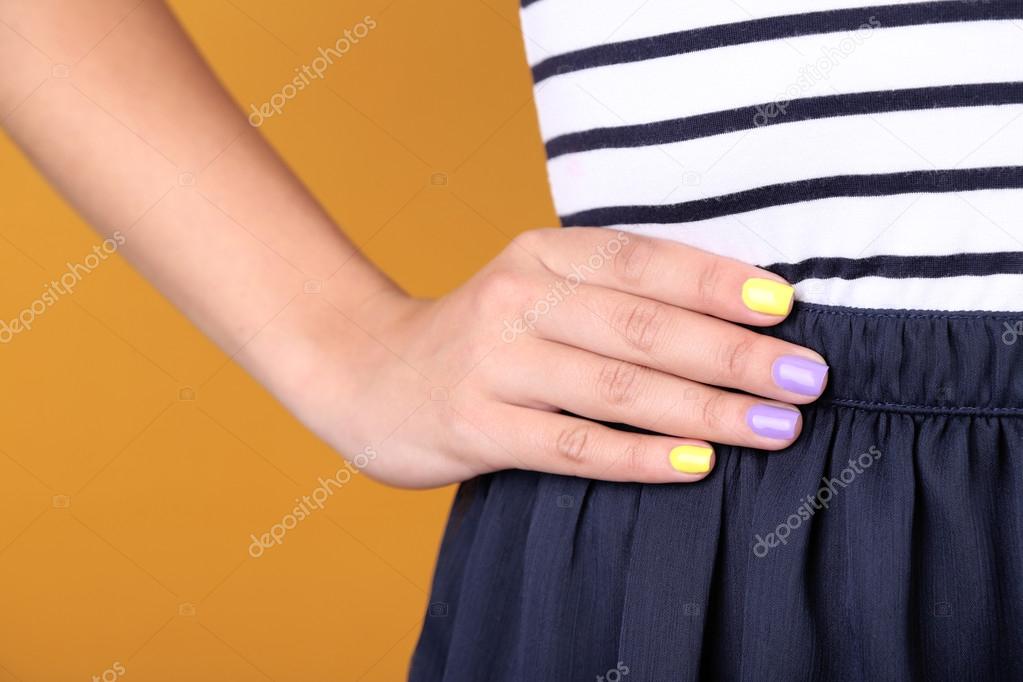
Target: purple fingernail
[773, 422]
[799, 375]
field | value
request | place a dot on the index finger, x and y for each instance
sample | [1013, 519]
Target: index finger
[667, 271]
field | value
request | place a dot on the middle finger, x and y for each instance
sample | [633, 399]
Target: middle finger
[684, 343]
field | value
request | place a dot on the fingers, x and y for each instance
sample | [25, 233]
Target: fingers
[608, 389]
[561, 444]
[643, 335]
[687, 344]
[666, 271]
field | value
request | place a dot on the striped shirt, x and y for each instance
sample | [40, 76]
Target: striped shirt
[871, 155]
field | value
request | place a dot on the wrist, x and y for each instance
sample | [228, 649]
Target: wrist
[325, 362]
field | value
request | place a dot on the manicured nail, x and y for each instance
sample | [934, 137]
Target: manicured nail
[799, 375]
[767, 296]
[773, 422]
[691, 459]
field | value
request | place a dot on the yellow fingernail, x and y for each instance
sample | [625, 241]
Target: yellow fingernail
[767, 296]
[691, 459]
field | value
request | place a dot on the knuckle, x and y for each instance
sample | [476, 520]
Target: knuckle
[640, 323]
[734, 356]
[617, 383]
[713, 410]
[633, 260]
[529, 241]
[456, 429]
[504, 285]
[708, 282]
[571, 444]
[635, 454]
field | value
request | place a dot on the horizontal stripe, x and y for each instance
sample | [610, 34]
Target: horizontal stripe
[553, 27]
[774, 113]
[993, 293]
[903, 267]
[856, 227]
[953, 180]
[775, 28]
[811, 66]
[849, 145]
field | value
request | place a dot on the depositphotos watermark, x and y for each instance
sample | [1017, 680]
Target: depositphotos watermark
[564, 287]
[63, 286]
[313, 71]
[813, 503]
[614, 674]
[307, 504]
[1013, 331]
[111, 674]
[815, 72]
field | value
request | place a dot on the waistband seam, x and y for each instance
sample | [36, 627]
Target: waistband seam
[844, 311]
[908, 408]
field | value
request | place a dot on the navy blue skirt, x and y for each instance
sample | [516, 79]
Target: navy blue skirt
[885, 544]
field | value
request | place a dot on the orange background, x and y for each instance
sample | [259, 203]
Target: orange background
[136, 459]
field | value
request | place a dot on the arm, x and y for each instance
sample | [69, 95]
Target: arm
[142, 139]
[144, 142]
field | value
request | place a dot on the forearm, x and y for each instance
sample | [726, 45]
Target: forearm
[144, 142]
[609, 326]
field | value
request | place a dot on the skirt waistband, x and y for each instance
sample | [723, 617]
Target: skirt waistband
[927, 362]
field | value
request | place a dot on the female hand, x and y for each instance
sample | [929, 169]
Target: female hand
[606, 325]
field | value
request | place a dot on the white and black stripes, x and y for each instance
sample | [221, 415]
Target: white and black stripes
[773, 113]
[873, 185]
[864, 152]
[775, 28]
[903, 267]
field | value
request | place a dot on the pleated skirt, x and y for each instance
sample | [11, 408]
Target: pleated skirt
[885, 544]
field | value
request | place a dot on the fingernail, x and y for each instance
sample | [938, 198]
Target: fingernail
[799, 375]
[767, 296]
[691, 459]
[773, 422]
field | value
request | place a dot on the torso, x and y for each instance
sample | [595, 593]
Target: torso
[871, 155]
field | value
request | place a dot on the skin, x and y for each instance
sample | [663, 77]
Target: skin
[138, 135]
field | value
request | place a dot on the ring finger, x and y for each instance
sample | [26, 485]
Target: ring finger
[607, 389]
[685, 343]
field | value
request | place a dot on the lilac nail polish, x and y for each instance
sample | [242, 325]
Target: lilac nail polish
[773, 422]
[799, 375]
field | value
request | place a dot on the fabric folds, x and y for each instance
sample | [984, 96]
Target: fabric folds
[885, 544]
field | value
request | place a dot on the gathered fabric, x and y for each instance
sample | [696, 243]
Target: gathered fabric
[885, 544]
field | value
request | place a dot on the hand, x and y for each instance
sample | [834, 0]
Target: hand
[601, 324]
[606, 325]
